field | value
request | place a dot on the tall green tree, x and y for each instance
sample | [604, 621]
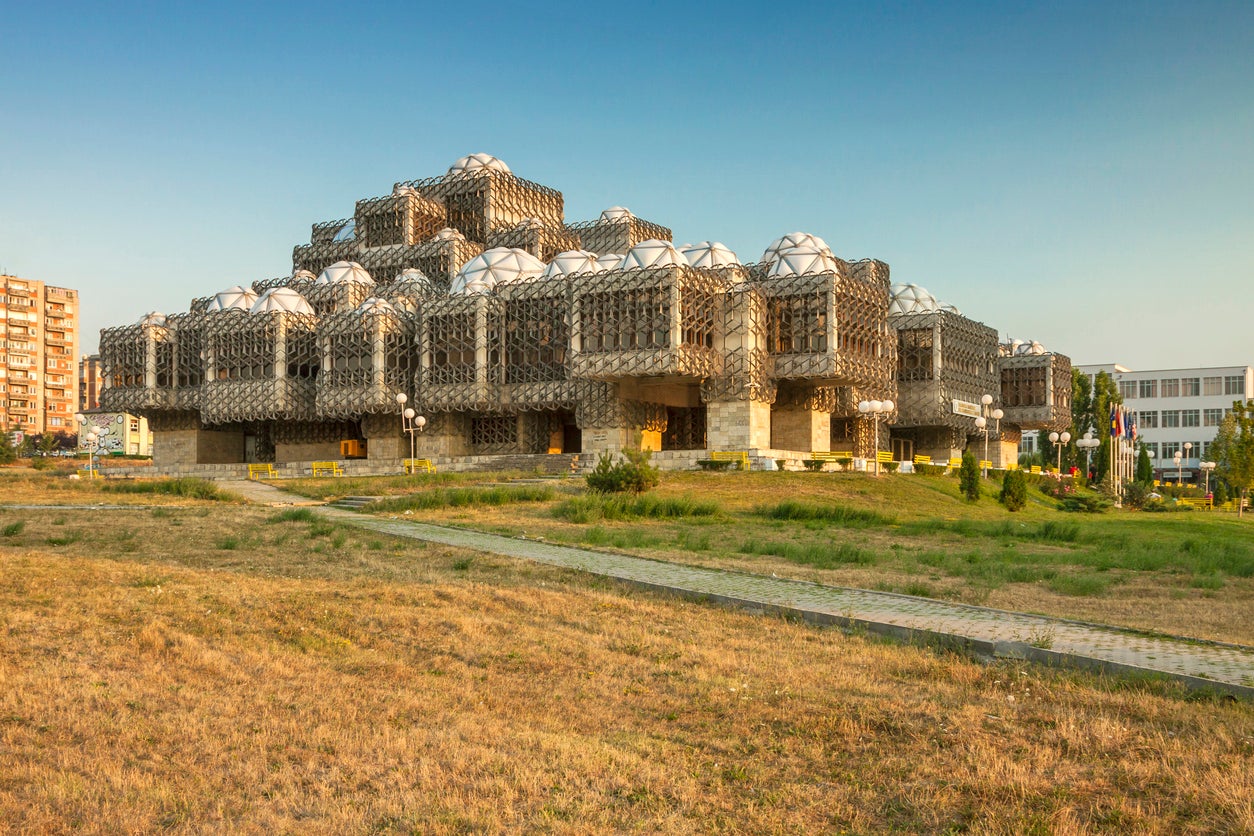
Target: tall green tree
[1233, 451]
[1144, 467]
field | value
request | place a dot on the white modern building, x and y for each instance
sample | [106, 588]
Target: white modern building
[1178, 410]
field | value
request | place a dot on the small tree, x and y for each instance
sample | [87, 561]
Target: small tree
[8, 454]
[1014, 490]
[1144, 467]
[632, 475]
[969, 476]
[1233, 451]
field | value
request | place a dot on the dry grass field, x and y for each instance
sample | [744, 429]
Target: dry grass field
[218, 667]
[1188, 574]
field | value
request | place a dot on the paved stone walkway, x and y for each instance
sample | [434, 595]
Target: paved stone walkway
[978, 629]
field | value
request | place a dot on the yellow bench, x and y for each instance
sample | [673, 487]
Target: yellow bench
[1035, 469]
[922, 459]
[740, 456]
[1194, 502]
[327, 469]
[264, 470]
[884, 456]
[831, 456]
[956, 463]
[419, 466]
[88, 473]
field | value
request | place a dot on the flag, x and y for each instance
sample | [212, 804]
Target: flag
[1132, 432]
[1113, 422]
[1119, 425]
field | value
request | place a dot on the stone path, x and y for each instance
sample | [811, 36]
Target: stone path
[977, 629]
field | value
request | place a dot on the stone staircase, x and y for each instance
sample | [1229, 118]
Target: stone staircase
[353, 503]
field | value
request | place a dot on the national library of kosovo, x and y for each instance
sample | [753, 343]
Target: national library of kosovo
[516, 334]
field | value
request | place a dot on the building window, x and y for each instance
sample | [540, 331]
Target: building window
[1027, 444]
[1127, 389]
[1190, 387]
[1212, 417]
[1171, 417]
[1234, 384]
[1190, 418]
[1171, 387]
[1147, 420]
[1151, 447]
[1212, 386]
[1149, 388]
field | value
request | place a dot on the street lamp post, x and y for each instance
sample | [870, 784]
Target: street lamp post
[1206, 468]
[875, 409]
[1060, 441]
[412, 423]
[1088, 444]
[95, 440]
[1188, 451]
[1179, 474]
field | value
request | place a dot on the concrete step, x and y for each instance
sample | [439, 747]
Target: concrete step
[353, 503]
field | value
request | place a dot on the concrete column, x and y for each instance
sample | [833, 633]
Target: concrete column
[738, 425]
[796, 428]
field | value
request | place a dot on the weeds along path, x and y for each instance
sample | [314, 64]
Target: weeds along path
[978, 630]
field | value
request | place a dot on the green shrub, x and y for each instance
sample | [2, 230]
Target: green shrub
[632, 475]
[813, 464]
[1136, 494]
[930, 469]
[40, 463]
[1221, 492]
[1088, 503]
[464, 497]
[891, 467]
[1014, 490]
[714, 464]
[969, 476]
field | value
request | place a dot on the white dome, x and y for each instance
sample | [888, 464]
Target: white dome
[376, 305]
[282, 299]
[344, 271]
[610, 261]
[653, 253]
[499, 264]
[910, 298]
[303, 274]
[234, 298]
[795, 241]
[798, 262]
[474, 163]
[709, 254]
[448, 234]
[572, 262]
[1028, 348]
[152, 318]
[401, 188]
[348, 232]
[616, 213]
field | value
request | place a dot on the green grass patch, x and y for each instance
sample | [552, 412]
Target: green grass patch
[1080, 585]
[189, 487]
[465, 497]
[293, 515]
[596, 507]
[13, 529]
[819, 555]
[798, 511]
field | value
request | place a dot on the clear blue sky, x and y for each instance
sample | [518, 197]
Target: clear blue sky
[1081, 174]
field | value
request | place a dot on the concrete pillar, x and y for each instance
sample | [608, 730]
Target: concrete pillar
[797, 428]
[738, 425]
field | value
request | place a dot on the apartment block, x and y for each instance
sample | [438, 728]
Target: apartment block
[38, 347]
[90, 382]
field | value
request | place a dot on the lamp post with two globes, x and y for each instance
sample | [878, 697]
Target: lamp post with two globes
[1060, 440]
[1206, 468]
[1088, 444]
[876, 409]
